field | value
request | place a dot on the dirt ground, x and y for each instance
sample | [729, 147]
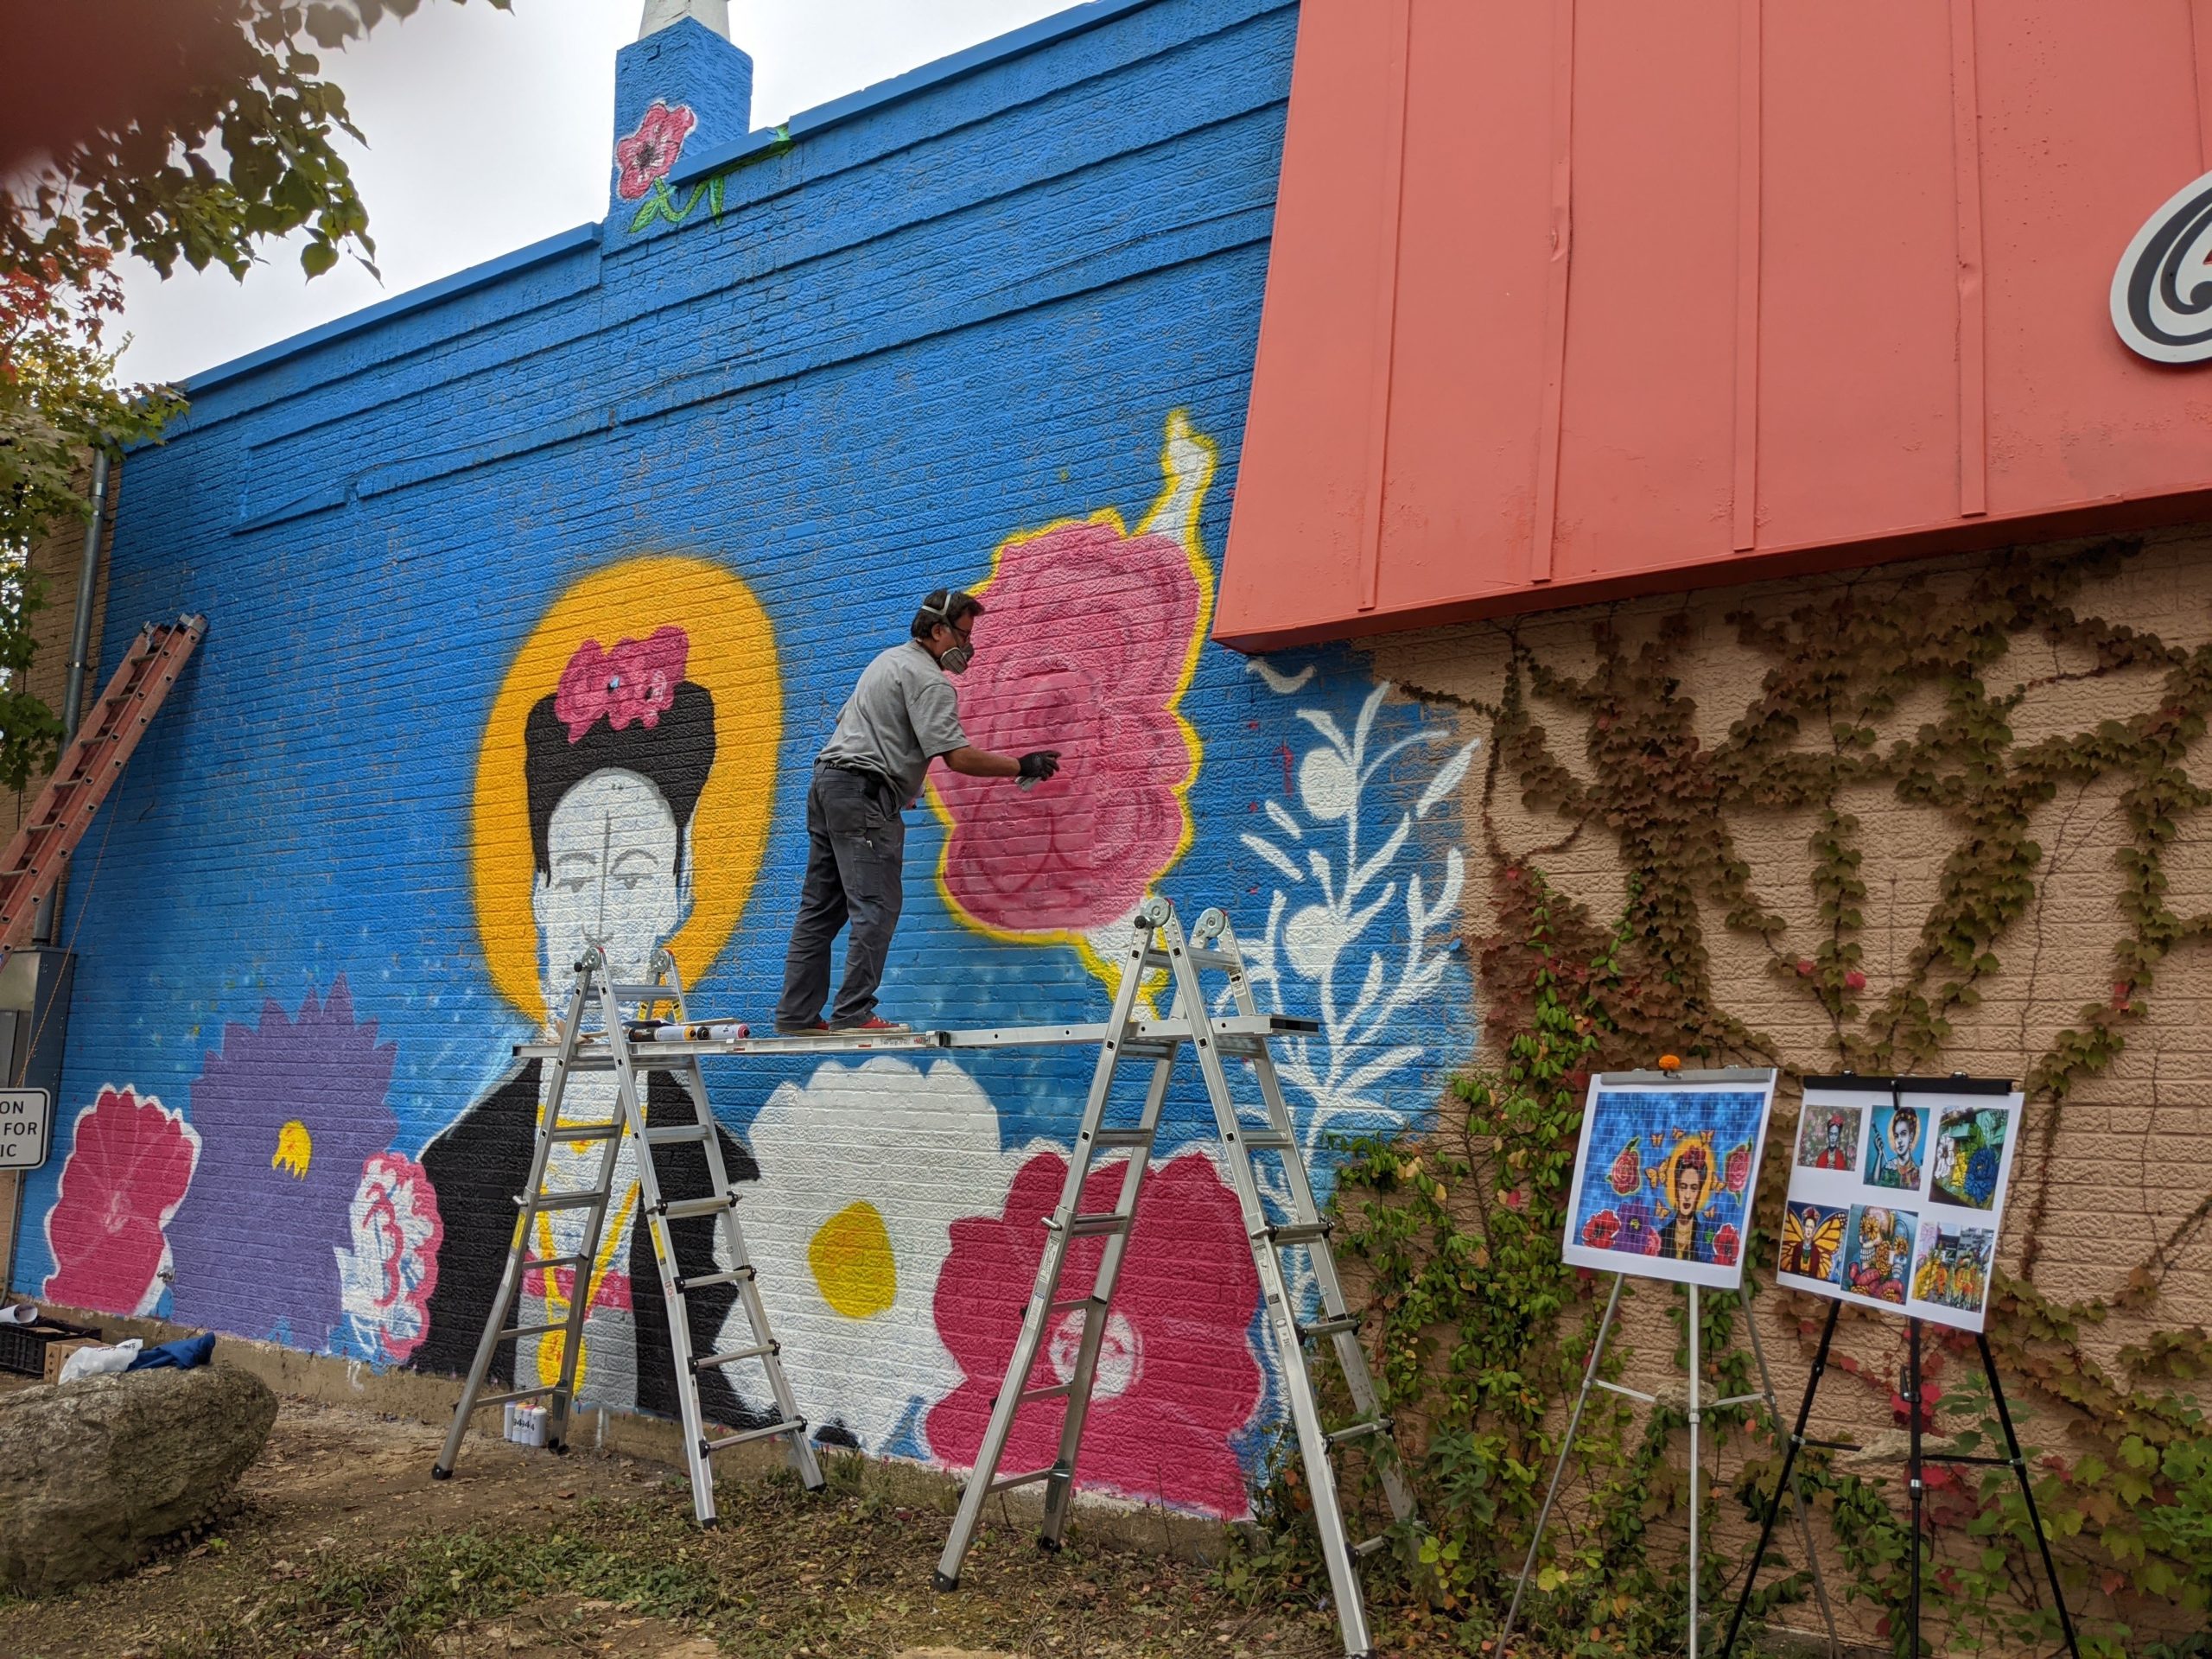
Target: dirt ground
[338, 1542]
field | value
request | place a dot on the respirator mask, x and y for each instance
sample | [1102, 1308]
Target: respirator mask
[955, 657]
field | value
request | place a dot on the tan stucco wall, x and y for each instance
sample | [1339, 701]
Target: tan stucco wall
[2128, 1175]
[56, 559]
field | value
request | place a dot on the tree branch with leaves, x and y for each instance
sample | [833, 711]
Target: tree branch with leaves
[192, 130]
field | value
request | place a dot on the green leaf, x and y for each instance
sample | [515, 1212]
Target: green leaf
[317, 257]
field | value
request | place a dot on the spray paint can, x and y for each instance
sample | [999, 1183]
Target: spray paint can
[714, 1031]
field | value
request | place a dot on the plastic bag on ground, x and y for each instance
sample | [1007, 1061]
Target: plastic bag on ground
[96, 1361]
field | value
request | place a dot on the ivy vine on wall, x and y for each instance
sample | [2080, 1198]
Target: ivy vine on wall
[1476, 1327]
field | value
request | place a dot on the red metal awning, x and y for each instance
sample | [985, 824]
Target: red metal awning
[1572, 299]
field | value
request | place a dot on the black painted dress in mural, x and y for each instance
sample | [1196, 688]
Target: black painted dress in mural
[477, 1167]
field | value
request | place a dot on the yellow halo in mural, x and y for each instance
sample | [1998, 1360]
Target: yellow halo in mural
[732, 656]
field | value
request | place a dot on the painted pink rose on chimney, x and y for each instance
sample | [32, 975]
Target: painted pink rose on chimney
[1090, 636]
[647, 154]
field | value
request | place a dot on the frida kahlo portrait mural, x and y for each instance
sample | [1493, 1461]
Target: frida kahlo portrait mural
[612, 782]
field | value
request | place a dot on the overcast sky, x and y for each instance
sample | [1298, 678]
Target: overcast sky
[489, 129]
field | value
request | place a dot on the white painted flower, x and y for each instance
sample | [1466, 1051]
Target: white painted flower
[864, 1171]
[1356, 934]
[387, 1276]
[1327, 784]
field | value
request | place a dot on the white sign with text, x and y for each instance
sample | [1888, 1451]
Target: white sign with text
[25, 1114]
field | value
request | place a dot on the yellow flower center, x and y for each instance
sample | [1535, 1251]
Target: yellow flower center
[851, 1257]
[294, 1150]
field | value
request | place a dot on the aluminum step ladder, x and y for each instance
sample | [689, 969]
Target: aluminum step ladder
[1158, 944]
[613, 1044]
[88, 769]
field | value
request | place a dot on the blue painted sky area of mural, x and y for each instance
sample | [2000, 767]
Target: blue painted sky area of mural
[390, 826]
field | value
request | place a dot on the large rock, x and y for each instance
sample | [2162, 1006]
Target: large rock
[91, 1474]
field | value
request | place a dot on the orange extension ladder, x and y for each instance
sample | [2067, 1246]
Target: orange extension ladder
[88, 769]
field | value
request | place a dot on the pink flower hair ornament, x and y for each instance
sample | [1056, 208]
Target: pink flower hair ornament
[635, 681]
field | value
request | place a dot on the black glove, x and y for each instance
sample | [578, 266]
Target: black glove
[1039, 763]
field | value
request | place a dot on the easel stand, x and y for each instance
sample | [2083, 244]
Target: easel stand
[1918, 1458]
[1697, 1407]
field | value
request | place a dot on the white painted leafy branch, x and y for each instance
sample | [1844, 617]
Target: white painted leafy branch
[1330, 950]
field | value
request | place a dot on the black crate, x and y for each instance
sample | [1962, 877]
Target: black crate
[22, 1347]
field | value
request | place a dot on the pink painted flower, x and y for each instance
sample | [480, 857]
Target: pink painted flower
[1083, 651]
[636, 681]
[1626, 1175]
[647, 154]
[1737, 1169]
[387, 1276]
[1177, 1378]
[612, 1290]
[131, 1161]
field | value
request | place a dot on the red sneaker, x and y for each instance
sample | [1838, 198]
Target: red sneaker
[871, 1027]
[812, 1028]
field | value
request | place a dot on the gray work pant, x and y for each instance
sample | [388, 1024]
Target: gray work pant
[855, 855]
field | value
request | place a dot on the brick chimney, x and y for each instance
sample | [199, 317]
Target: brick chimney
[679, 88]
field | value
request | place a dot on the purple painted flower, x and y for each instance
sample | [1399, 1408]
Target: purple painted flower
[1639, 1231]
[288, 1113]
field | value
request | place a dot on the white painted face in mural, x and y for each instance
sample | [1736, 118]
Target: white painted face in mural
[613, 846]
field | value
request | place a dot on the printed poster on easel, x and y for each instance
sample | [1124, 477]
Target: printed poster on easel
[1897, 1194]
[1664, 1175]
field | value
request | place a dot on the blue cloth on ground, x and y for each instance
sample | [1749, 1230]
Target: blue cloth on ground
[184, 1354]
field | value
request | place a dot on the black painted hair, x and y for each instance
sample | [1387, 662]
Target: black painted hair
[674, 756]
[946, 605]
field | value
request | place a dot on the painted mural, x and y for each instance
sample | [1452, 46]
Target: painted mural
[607, 765]
[632, 788]
[256, 1241]
[1108, 624]
[130, 1163]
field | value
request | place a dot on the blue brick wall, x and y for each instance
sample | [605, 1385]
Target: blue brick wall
[992, 325]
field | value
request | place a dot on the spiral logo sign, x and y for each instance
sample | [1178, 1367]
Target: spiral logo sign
[2162, 293]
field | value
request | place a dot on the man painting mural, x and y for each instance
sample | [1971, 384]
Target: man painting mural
[901, 716]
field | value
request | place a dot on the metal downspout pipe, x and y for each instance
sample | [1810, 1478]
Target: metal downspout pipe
[81, 640]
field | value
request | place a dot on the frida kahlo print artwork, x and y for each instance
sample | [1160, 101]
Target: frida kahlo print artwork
[1897, 1194]
[1665, 1174]
[1828, 1137]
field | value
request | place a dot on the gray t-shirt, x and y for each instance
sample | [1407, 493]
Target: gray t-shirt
[901, 716]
